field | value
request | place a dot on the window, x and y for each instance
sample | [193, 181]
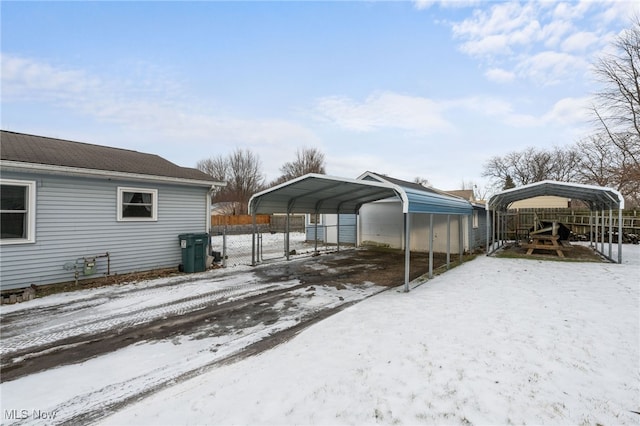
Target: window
[17, 211]
[312, 219]
[135, 204]
[475, 219]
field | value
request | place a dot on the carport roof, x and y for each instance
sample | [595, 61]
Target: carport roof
[313, 193]
[597, 197]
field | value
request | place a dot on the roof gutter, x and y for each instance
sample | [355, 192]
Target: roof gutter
[75, 171]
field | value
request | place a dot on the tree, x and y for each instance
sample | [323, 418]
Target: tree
[618, 103]
[241, 172]
[308, 160]
[604, 164]
[533, 165]
[617, 113]
[422, 181]
[508, 183]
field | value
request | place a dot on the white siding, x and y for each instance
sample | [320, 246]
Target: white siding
[77, 217]
[383, 223]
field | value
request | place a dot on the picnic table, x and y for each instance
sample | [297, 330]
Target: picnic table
[547, 242]
[548, 238]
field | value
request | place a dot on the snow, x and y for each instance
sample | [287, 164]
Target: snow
[494, 341]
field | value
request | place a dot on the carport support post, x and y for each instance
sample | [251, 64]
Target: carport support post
[407, 253]
[611, 232]
[337, 232]
[595, 232]
[253, 240]
[287, 248]
[619, 234]
[448, 240]
[431, 245]
[461, 239]
[590, 228]
[315, 245]
[488, 227]
[602, 234]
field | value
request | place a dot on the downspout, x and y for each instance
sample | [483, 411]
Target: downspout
[208, 207]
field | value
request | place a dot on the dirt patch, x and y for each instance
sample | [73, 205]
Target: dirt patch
[383, 267]
[577, 253]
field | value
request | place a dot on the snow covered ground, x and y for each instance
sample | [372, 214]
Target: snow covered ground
[494, 341]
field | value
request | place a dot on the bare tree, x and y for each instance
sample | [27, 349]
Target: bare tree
[617, 113]
[216, 167]
[618, 103]
[532, 165]
[422, 181]
[308, 160]
[241, 171]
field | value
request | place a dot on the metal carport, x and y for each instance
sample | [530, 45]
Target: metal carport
[598, 198]
[316, 194]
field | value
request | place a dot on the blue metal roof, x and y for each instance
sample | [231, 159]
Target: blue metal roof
[420, 199]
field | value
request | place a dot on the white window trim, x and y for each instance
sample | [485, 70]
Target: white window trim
[313, 215]
[154, 206]
[31, 212]
[476, 219]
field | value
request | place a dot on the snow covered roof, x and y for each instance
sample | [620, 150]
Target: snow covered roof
[598, 197]
[313, 193]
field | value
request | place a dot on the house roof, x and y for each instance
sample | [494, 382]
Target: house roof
[597, 197]
[31, 149]
[467, 194]
[313, 193]
[422, 199]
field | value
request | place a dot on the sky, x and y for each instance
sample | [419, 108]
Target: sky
[408, 89]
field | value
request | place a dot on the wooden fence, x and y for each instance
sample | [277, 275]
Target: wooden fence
[272, 223]
[519, 222]
[240, 219]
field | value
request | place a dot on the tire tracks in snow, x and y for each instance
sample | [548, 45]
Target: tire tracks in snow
[98, 404]
[24, 345]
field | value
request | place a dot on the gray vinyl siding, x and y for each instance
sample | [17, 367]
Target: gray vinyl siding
[326, 230]
[478, 235]
[311, 232]
[348, 228]
[77, 217]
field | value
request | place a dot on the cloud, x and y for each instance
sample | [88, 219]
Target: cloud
[499, 75]
[383, 110]
[549, 67]
[579, 42]
[148, 103]
[426, 4]
[541, 42]
[569, 112]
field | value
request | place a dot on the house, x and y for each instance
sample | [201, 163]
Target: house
[542, 202]
[74, 210]
[381, 222]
